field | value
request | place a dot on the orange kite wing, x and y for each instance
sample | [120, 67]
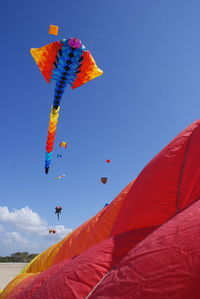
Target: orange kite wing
[88, 70]
[45, 57]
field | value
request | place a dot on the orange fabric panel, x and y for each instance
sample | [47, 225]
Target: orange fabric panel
[88, 70]
[45, 57]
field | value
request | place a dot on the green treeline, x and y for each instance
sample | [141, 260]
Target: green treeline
[18, 257]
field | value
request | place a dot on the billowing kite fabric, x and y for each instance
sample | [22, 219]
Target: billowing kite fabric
[144, 245]
[67, 62]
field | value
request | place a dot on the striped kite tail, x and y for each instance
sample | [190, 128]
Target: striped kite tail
[51, 136]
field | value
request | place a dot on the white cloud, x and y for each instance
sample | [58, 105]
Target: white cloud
[14, 241]
[24, 219]
[24, 229]
[15, 237]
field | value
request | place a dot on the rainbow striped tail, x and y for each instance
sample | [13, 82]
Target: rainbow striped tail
[51, 136]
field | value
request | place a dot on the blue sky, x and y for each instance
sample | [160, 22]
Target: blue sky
[149, 92]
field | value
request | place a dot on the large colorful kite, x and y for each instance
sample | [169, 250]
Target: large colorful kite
[67, 62]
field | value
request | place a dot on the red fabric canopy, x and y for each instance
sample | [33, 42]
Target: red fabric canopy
[165, 265]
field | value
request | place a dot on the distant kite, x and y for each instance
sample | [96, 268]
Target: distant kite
[52, 231]
[104, 180]
[53, 29]
[107, 161]
[59, 156]
[58, 210]
[63, 144]
[60, 176]
[67, 62]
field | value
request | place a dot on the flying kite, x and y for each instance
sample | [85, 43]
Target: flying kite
[60, 176]
[58, 211]
[104, 180]
[63, 144]
[52, 231]
[53, 29]
[107, 161]
[67, 62]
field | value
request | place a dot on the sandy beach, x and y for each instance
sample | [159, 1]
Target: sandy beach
[8, 271]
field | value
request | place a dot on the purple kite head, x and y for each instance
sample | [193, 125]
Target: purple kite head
[74, 42]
